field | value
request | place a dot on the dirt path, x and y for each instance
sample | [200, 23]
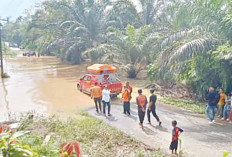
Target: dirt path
[200, 139]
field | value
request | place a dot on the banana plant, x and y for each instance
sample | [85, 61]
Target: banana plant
[11, 147]
[68, 149]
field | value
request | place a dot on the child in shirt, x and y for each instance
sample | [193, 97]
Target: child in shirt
[175, 135]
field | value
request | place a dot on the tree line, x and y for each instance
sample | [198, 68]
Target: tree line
[187, 41]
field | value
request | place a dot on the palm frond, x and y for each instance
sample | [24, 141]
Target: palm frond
[175, 37]
[194, 47]
[103, 52]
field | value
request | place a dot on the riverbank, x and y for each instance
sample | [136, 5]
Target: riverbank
[46, 86]
[95, 137]
[199, 139]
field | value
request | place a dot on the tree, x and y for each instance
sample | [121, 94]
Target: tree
[77, 26]
[129, 50]
[191, 41]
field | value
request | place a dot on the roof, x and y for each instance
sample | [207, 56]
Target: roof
[100, 68]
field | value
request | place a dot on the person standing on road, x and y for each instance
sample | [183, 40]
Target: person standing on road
[96, 94]
[106, 100]
[226, 111]
[221, 103]
[141, 101]
[175, 136]
[212, 98]
[129, 87]
[152, 107]
[126, 100]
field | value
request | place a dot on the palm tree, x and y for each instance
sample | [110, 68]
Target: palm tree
[74, 25]
[190, 36]
[188, 49]
[128, 50]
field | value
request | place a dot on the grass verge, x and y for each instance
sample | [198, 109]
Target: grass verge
[7, 51]
[194, 106]
[96, 138]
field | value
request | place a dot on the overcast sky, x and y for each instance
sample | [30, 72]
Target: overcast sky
[15, 8]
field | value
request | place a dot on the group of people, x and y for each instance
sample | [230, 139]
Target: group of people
[141, 100]
[99, 95]
[103, 96]
[219, 103]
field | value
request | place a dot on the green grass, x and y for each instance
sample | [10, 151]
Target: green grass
[190, 105]
[96, 138]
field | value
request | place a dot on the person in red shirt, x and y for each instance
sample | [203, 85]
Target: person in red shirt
[141, 101]
[175, 135]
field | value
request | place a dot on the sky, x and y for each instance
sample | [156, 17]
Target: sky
[15, 8]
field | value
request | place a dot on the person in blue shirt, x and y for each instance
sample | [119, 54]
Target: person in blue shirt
[213, 98]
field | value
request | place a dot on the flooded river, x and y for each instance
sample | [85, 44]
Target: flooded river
[41, 84]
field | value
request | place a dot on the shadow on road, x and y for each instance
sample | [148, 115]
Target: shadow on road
[160, 128]
[148, 131]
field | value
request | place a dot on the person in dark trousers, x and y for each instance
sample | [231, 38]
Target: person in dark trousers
[96, 94]
[221, 103]
[141, 101]
[126, 100]
[213, 98]
[106, 100]
[152, 107]
[176, 131]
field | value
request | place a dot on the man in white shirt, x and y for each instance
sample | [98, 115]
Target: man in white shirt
[106, 100]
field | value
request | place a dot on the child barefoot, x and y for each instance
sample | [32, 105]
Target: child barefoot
[175, 135]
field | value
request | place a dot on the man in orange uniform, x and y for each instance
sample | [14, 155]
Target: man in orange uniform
[141, 101]
[96, 94]
[126, 100]
[129, 87]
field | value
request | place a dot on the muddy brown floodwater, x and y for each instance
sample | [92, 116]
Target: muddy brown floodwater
[41, 85]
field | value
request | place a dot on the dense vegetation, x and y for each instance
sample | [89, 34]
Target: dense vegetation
[186, 41]
[43, 136]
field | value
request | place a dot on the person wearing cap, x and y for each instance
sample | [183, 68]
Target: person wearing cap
[106, 100]
[152, 108]
[141, 101]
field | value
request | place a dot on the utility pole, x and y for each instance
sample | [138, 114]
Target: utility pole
[1, 53]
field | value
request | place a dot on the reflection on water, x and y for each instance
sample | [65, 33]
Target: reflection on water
[4, 105]
[43, 85]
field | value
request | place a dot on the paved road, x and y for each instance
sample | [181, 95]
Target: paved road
[200, 139]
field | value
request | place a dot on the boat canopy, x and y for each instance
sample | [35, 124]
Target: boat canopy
[102, 68]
